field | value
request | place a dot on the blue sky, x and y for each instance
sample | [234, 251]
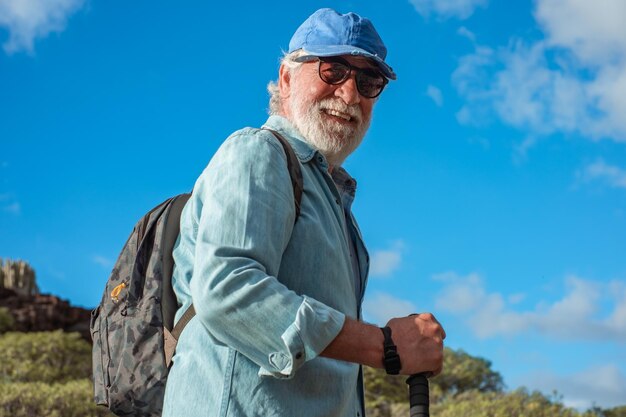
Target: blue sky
[492, 183]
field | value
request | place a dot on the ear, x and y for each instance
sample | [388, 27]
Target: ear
[284, 82]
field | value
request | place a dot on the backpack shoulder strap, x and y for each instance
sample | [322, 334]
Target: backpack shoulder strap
[295, 172]
[169, 305]
[178, 328]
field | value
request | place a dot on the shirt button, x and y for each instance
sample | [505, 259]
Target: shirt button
[299, 355]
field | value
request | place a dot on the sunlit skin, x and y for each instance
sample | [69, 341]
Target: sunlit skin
[306, 81]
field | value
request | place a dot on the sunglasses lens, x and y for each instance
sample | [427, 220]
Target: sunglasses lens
[370, 85]
[333, 72]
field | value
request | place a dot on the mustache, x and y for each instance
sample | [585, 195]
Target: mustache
[338, 105]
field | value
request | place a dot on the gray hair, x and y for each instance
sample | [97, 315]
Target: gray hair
[288, 60]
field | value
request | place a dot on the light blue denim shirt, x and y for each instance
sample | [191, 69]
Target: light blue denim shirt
[270, 294]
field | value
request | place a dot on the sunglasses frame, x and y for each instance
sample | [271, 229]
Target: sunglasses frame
[358, 71]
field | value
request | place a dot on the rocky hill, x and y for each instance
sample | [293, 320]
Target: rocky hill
[18, 276]
[35, 312]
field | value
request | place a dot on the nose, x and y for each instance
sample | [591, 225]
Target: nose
[348, 92]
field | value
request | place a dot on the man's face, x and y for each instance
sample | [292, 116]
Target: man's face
[332, 118]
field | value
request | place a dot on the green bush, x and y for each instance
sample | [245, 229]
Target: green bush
[30, 399]
[467, 387]
[519, 403]
[463, 372]
[7, 322]
[615, 412]
[387, 395]
[44, 357]
[382, 391]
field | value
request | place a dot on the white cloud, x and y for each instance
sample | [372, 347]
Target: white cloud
[603, 385]
[516, 84]
[102, 261]
[466, 33]
[462, 293]
[617, 320]
[594, 31]
[445, 9]
[381, 307]
[573, 317]
[435, 94]
[601, 171]
[516, 298]
[27, 20]
[385, 262]
[572, 81]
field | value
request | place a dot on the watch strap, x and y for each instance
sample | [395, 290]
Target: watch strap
[391, 359]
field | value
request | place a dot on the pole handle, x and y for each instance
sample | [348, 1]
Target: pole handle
[419, 399]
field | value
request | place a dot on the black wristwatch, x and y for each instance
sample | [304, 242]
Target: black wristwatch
[391, 359]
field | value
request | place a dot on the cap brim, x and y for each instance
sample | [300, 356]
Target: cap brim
[313, 52]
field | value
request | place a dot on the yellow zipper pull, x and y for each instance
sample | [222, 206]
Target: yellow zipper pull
[115, 294]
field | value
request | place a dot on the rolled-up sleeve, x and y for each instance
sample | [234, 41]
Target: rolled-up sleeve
[243, 209]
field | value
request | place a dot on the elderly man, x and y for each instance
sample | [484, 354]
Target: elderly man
[278, 295]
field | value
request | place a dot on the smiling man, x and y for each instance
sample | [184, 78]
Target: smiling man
[277, 281]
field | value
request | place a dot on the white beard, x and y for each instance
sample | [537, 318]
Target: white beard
[335, 140]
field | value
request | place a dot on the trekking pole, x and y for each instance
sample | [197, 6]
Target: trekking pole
[418, 395]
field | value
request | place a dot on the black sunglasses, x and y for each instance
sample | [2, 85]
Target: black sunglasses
[369, 82]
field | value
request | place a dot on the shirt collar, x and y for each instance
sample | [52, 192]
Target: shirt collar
[345, 183]
[303, 150]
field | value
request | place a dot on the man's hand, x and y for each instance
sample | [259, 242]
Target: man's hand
[419, 339]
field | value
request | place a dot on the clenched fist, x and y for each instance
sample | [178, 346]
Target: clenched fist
[419, 339]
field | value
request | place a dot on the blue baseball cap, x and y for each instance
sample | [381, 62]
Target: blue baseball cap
[329, 33]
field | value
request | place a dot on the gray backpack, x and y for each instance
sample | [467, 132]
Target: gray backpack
[133, 332]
